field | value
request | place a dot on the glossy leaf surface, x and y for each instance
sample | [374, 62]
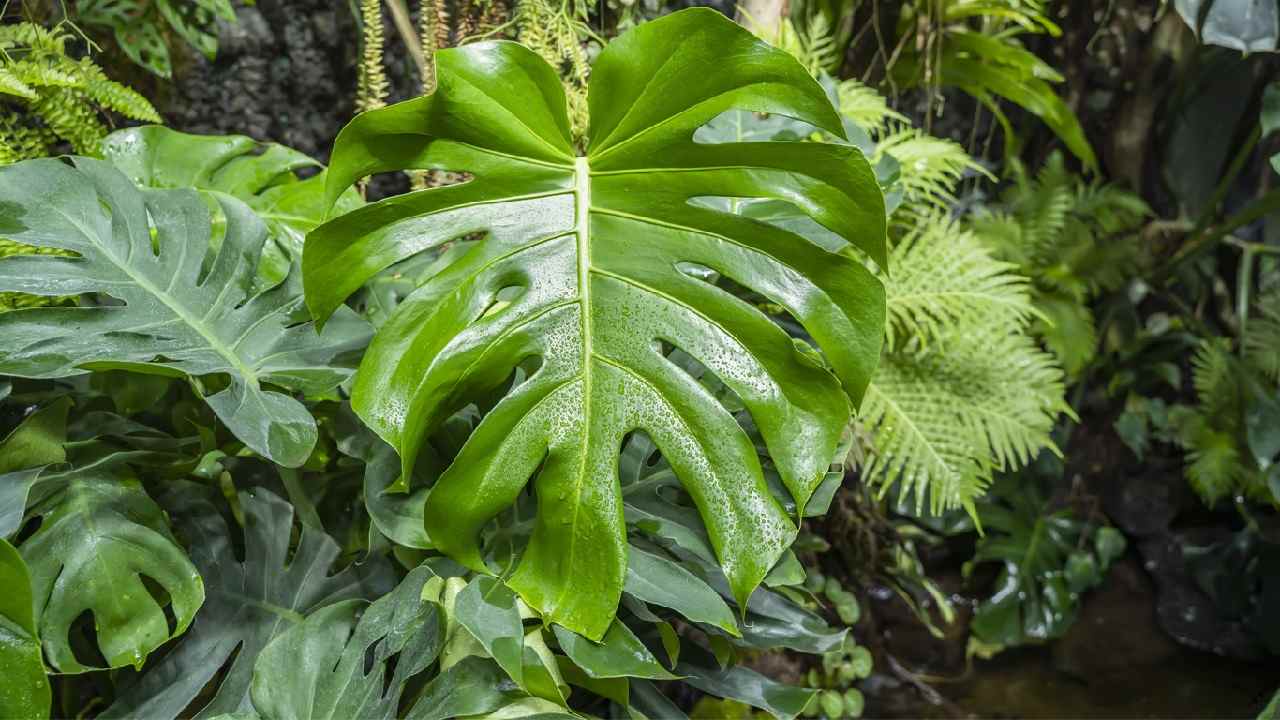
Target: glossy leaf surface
[587, 266]
[100, 534]
[24, 690]
[147, 248]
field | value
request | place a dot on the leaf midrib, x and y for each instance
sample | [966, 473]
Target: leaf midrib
[250, 376]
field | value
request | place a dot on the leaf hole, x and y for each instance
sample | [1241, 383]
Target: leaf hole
[162, 599]
[83, 641]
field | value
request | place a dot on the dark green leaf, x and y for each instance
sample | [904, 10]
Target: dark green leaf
[336, 663]
[655, 579]
[619, 654]
[248, 603]
[472, 687]
[177, 319]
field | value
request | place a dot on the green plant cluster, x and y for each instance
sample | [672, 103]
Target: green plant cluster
[50, 97]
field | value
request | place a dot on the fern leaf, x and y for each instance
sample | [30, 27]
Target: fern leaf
[112, 95]
[1262, 340]
[963, 389]
[1215, 378]
[944, 280]
[944, 421]
[930, 167]
[867, 108]
[11, 84]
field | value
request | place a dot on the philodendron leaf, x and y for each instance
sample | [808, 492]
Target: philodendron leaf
[32, 446]
[262, 175]
[619, 655]
[655, 579]
[24, 689]
[100, 534]
[147, 249]
[474, 686]
[350, 659]
[249, 603]
[587, 267]
[489, 610]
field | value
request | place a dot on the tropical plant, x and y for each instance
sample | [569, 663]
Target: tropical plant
[1049, 555]
[183, 397]
[1248, 27]
[1074, 240]
[558, 290]
[50, 97]
[146, 29]
[974, 46]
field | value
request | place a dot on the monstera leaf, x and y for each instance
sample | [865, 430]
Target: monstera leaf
[589, 267]
[262, 175]
[350, 659]
[249, 603]
[147, 248]
[100, 534]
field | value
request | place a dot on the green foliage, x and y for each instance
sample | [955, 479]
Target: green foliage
[1048, 558]
[1230, 433]
[50, 97]
[962, 389]
[146, 29]
[24, 690]
[559, 280]
[974, 47]
[180, 317]
[1074, 240]
[262, 175]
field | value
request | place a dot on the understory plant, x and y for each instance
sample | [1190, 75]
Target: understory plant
[48, 97]
[537, 443]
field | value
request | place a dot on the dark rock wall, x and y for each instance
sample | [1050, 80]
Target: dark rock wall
[285, 72]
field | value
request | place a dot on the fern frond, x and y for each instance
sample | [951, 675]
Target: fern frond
[962, 389]
[114, 96]
[1215, 468]
[930, 168]
[1214, 376]
[867, 108]
[944, 283]
[1067, 330]
[11, 84]
[943, 421]
[1262, 339]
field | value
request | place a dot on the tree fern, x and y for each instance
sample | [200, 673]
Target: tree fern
[51, 98]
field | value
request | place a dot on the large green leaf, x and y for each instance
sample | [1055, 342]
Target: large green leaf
[262, 175]
[32, 446]
[100, 534]
[249, 603]
[588, 265]
[350, 659]
[147, 248]
[24, 690]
